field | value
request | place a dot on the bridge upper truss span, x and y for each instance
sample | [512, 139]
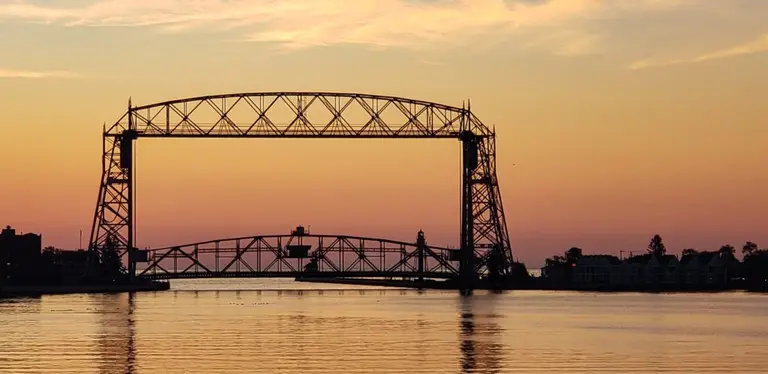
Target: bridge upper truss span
[299, 114]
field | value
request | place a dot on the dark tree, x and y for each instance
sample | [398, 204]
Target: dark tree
[573, 255]
[555, 260]
[748, 249]
[690, 252]
[495, 266]
[727, 250]
[755, 269]
[656, 246]
[110, 265]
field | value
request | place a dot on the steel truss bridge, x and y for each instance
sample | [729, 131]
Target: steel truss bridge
[485, 247]
[302, 254]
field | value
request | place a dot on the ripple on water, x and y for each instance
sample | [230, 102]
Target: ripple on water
[228, 327]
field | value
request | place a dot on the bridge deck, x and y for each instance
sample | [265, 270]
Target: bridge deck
[291, 274]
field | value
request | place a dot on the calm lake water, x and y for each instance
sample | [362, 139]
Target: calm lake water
[274, 326]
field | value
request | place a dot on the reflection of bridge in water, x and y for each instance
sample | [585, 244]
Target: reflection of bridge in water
[116, 337]
[479, 335]
[485, 247]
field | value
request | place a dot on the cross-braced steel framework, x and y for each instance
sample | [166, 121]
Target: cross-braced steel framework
[302, 255]
[485, 246]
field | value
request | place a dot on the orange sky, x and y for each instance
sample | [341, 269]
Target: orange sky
[614, 121]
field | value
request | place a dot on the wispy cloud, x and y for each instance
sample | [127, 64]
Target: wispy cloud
[37, 74]
[758, 45]
[426, 61]
[572, 42]
[304, 23]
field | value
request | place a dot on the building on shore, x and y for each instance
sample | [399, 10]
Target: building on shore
[23, 261]
[705, 270]
[597, 270]
[20, 256]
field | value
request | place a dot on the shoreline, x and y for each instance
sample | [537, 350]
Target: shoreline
[433, 285]
[154, 286]
[26, 291]
[438, 285]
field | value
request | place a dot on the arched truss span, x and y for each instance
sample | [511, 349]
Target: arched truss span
[304, 255]
[300, 114]
[485, 246]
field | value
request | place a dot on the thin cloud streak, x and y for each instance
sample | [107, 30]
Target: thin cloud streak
[309, 23]
[31, 74]
[568, 43]
[758, 45]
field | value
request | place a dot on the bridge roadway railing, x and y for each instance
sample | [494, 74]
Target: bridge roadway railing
[299, 255]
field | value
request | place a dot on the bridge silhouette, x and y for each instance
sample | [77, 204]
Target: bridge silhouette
[485, 248]
[302, 254]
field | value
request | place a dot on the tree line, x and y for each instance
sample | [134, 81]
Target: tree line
[752, 269]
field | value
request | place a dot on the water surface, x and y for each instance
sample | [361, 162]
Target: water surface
[277, 326]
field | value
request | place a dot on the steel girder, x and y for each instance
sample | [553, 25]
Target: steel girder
[309, 115]
[327, 255]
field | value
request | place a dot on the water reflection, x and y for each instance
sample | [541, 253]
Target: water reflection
[480, 335]
[382, 331]
[28, 304]
[116, 333]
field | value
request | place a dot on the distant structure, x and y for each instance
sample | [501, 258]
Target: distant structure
[24, 262]
[20, 256]
[485, 246]
[706, 270]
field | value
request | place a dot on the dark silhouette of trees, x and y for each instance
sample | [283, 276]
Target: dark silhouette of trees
[656, 246]
[573, 255]
[755, 267]
[690, 252]
[748, 248]
[727, 250]
[555, 261]
[495, 260]
[520, 275]
[108, 267]
[562, 267]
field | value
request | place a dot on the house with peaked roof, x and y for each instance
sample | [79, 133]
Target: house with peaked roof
[693, 271]
[633, 270]
[662, 270]
[722, 268]
[597, 270]
[708, 269]
[704, 270]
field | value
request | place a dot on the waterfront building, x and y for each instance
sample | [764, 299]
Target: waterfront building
[20, 256]
[712, 270]
[598, 270]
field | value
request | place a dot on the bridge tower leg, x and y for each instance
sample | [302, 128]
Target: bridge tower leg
[126, 161]
[112, 234]
[467, 272]
[421, 244]
[490, 224]
[485, 246]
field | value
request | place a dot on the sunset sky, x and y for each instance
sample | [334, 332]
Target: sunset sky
[616, 119]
